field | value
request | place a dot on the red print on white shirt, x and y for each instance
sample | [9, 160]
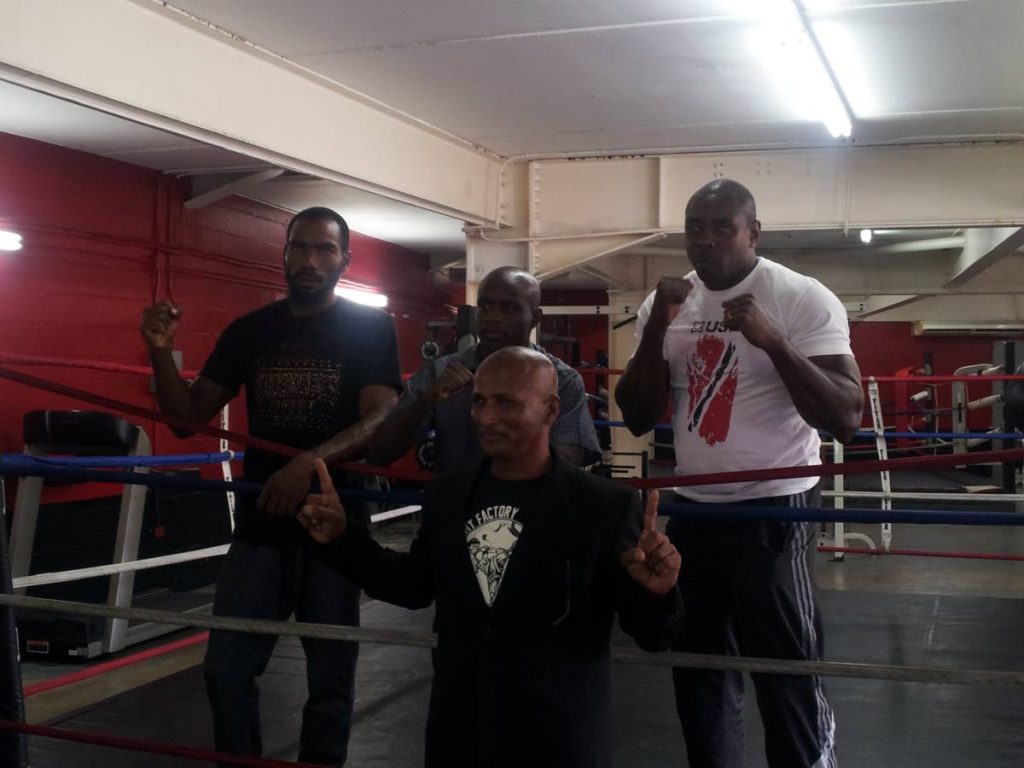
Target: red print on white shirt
[712, 370]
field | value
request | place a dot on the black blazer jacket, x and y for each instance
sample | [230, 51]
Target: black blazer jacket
[525, 682]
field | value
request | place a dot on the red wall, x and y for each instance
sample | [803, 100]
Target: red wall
[102, 239]
[883, 348]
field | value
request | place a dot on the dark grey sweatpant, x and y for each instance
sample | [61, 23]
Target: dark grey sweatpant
[748, 589]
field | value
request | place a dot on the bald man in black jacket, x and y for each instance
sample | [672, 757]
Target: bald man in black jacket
[528, 560]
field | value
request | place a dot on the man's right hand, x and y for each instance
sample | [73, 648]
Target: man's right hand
[454, 377]
[159, 323]
[323, 515]
[668, 300]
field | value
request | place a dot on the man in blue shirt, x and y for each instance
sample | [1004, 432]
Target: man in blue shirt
[438, 396]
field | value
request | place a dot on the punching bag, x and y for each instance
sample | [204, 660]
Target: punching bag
[13, 749]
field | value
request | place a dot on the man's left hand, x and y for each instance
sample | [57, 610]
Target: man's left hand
[744, 315]
[654, 562]
[284, 492]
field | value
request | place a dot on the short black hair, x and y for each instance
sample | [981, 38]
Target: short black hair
[320, 213]
[729, 190]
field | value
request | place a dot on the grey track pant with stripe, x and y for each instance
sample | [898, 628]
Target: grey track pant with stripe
[748, 589]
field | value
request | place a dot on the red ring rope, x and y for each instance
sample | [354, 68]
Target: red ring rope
[153, 748]
[713, 478]
[923, 553]
[71, 362]
[203, 429]
[976, 378]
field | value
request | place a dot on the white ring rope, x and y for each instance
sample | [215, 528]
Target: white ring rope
[58, 577]
[924, 496]
[625, 655]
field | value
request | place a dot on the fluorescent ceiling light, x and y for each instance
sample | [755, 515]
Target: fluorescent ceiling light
[847, 64]
[9, 241]
[361, 296]
[865, 236]
[797, 63]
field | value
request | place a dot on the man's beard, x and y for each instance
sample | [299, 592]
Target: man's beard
[305, 297]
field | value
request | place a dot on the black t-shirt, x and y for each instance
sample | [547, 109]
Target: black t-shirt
[302, 378]
[499, 512]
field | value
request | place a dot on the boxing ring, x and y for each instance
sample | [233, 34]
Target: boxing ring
[122, 470]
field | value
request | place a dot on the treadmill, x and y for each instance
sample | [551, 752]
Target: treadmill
[89, 532]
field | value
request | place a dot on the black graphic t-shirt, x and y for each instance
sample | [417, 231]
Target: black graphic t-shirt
[498, 514]
[302, 378]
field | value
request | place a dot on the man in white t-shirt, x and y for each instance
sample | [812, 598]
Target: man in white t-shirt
[757, 359]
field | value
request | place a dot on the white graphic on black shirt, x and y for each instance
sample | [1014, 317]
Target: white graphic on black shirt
[491, 535]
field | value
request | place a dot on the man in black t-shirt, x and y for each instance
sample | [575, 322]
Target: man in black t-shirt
[528, 559]
[319, 374]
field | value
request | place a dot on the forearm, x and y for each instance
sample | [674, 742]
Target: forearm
[350, 443]
[396, 433]
[399, 578]
[172, 391]
[827, 400]
[642, 392]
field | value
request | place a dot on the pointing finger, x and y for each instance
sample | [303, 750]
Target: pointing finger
[651, 511]
[326, 483]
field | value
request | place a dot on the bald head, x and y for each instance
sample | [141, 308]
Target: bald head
[521, 281]
[524, 367]
[728, 192]
[515, 402]
[508, 309]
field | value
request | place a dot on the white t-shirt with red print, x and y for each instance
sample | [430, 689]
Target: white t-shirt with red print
[732, 411]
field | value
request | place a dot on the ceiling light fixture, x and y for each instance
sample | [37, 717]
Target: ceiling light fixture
[9, 241]
[866, 235]
[361, 296]
[797, 61]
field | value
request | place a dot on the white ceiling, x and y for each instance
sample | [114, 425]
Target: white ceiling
[24, 112]
[535, 76]
[538, 77]
[406, 225]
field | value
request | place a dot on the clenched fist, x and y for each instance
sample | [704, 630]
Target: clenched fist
[159, 324]
[668, 299]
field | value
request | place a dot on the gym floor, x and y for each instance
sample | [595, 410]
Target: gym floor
[877, 609]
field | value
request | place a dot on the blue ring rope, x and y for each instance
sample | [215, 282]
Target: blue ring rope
[947, 435]
[153, 480]
[720, 512]
[742, 512]
[185, 459]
